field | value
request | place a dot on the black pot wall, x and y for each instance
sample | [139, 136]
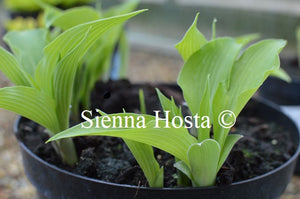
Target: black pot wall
[54, 183]
[281, 92]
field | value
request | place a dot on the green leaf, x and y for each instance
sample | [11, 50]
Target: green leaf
[124, 53]
[10, 66]
[204, 158]
[184, 168]
[125, 7]
[75, 16]
[96, 64]
[205, 108]
[174, 141]
[169, 105]
[51, 12]
[251, 70]
[28, 47]
[192, 41]
[64, 80]
[281, 74]
[228, 145]
[159, 178]
[144, 155]
[143, 109]
[68, 40]
[215, 59]
[213, 28]
[298, 44]
[248, 73]
[30, 103]
[245, 39]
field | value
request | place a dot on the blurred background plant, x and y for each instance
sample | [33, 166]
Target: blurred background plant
[27, 14]
[107, 58]
[29, 6]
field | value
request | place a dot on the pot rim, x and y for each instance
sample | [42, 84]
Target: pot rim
[259, 99]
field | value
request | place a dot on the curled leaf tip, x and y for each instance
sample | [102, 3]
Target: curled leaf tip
[214, 29]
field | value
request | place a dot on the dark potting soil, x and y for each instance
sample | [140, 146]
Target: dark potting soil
[264, 147]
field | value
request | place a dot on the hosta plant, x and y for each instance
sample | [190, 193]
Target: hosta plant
[44, 74]
[220, 74]
[98, 61]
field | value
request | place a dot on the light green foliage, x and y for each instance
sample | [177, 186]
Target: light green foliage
[174, 141]
[143, 153]
[71, 17]
[281, 74]
[298, 44]
[192, 41]
[44, 79]
[205, 151]
[142, 102]
[218, 75]
[97, 61]
[28, 46]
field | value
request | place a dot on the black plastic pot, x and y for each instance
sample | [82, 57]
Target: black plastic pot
[54, 183]
[287, 95]
[281, 92]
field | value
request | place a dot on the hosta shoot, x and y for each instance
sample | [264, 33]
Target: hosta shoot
[220, 74]
[97, 62]
[44, 74]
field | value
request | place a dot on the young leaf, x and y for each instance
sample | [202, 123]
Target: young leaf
[248, 73]
[204, 158]
[245, 39]
[169, 105]
[298, 44]
[191, 42]
[64, 43]
[214, 59]
[174, 141]
[143, 109]
[281, 74]
[27, 46]
[32, 104]
[75, 16]
[144, 155]
[254, 66]
[63, 82]
[228, 145]
[12, 69]
[184, 168]
[205, 108]
[213, 28]
[124, 55]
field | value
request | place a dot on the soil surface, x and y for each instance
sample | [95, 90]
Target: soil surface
[143, 68]
[264, 147]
